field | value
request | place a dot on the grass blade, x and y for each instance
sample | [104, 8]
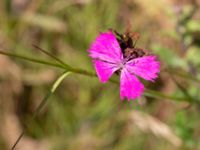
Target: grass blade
[42, 104]
[52, 56]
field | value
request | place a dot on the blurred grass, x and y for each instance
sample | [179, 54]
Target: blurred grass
[84, 114]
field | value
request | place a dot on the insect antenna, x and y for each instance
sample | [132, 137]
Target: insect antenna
[118, 34]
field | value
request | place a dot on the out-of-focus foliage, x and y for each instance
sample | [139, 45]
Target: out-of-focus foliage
[83, 113]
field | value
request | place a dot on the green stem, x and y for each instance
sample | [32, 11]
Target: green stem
[33, 60]
[149, 93]
[178, 73]
[42, 104]
[52, 56]
[61, 66]
[155, 94]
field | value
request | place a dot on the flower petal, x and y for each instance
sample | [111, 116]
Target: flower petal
[130, 86]
[107, 54]
[145, 67]
[106, 48]
[104, 69]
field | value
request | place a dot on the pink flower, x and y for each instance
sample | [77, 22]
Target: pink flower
[109, 57]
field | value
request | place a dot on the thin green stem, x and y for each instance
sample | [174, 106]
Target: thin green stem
[52, 56]
[182, 89]
[42, 104]
[33, 60]
[149, 93]
[155, 94]
[84, 72]
[183, 75]
[67, 68]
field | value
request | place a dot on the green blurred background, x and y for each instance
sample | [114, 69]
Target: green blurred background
[84, 114]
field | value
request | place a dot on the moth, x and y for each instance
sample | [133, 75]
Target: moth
[127, 42]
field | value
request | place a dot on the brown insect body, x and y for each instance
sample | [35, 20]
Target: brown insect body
[132, 53]
[127, 43]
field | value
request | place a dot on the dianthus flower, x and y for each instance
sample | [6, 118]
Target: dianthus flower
[109, 56]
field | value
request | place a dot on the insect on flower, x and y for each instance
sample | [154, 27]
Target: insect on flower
[117, 53]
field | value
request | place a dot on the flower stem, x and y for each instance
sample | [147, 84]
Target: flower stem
[147, 92]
